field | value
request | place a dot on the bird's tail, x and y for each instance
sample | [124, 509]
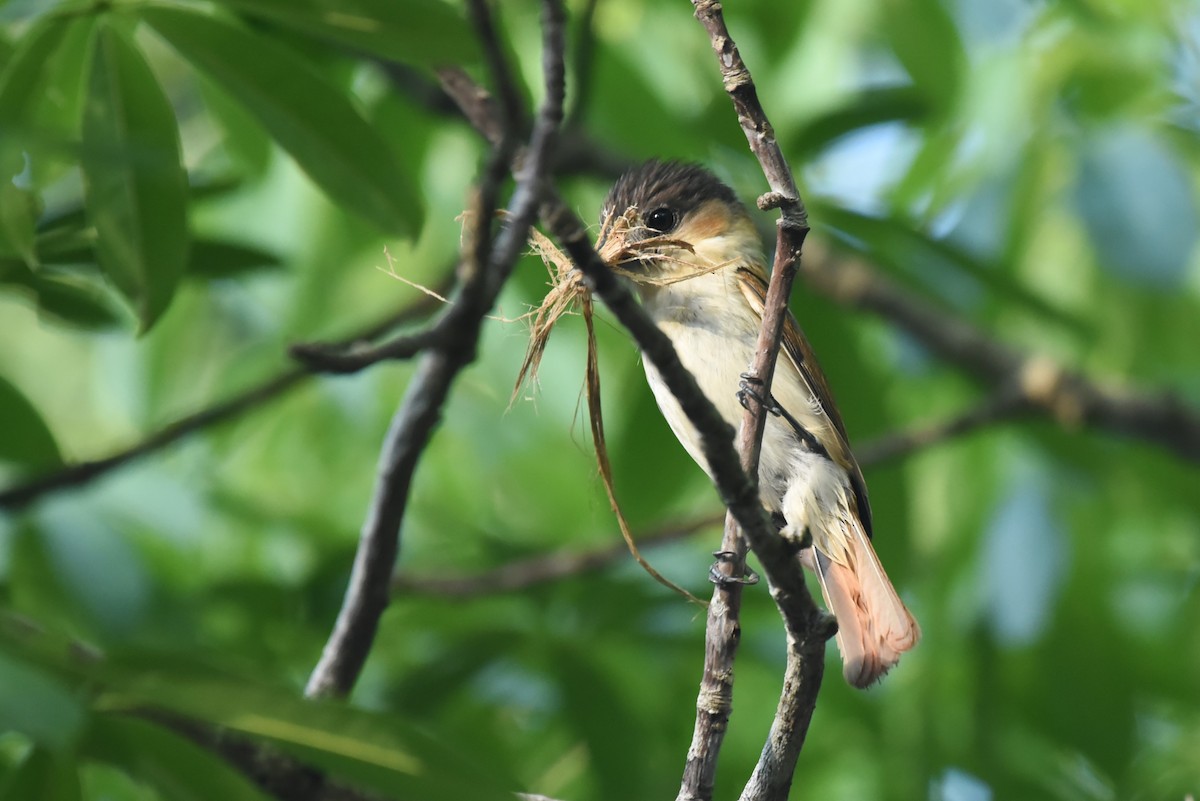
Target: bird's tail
[874, 626]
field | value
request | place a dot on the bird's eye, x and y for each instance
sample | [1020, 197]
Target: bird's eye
[661, 220]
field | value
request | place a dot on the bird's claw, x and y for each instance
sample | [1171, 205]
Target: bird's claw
[748, 577]
[745, 391]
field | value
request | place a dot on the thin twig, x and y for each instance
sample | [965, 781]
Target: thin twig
[1006, 404]
[368, 592]
[542, 569]
[83, 473]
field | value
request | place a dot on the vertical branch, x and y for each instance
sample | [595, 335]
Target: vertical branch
[366, 598]
[805, 660]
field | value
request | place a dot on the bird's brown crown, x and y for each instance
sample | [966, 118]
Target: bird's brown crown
[664, 192]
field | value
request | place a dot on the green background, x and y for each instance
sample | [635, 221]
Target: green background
[1028, 167]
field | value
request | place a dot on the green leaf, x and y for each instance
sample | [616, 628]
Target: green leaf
[308, 116]
[925, 39]
[870, 107]
[136, 189]
[424, 32]
[22, 76]
[43, 776]
[211, 258]
[27, 440]
[900, 245]
[178, 768]
[207, 258]
[40, 97]
[64, 296]
[18, 216]
[368, 748]
[38, 705]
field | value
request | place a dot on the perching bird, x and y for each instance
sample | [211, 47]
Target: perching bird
[691, 248]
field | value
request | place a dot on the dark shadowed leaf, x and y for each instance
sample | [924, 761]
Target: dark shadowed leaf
[65, 296]
[424, 32]
[214, 259]
[871, 107]
[36, 704]
[307, 115]
[27, 440]
[178, 768]
[43, 776]
[136, 188]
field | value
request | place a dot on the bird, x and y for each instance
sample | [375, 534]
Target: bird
[692, 250]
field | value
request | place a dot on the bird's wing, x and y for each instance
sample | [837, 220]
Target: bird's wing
[800, 354]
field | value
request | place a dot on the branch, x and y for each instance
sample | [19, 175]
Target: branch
[737, 490]
[1065, 395]
[524, 573]
[486, 267]
[83, 473]
[806, 632]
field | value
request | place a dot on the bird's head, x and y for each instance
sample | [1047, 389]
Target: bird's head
[664, 221]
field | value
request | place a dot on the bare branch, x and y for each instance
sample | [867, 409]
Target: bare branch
[1065, 395]
[525, 573]
[83, 473]
[806, 653]
[1006, 404]
[486, 266]
[322, 358]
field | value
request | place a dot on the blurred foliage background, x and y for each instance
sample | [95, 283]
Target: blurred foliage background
[188, 188]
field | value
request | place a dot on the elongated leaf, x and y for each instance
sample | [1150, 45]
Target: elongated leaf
[212, 258]
[26, 440]
[71, 299]
[207, 258]
[900, 246]
[21, 78]
[871, 107]
[307, 115]
[424, 32]
[178, 768]
[925, 39]
[136, 188]
[43, 776]
[18, 215]
[364, 747]
[41, 92]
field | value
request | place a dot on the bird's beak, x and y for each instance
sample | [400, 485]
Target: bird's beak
[611, 245]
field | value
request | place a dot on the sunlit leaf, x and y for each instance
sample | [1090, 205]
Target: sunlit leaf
[308, 117]
[136, 188]
[378, 750]
[18, 213]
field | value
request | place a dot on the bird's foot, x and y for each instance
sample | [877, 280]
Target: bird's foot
[750, 386]
[716, 576]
